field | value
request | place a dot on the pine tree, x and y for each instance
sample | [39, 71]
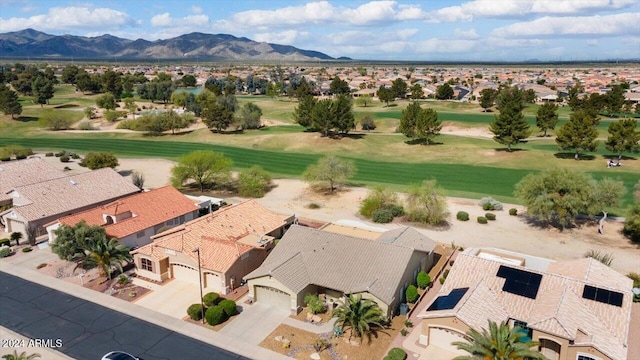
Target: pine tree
[579, 133]
[9, 103]
[623, 136]
[547, 117]
[427, 125]
[510, 126]
[302, 112]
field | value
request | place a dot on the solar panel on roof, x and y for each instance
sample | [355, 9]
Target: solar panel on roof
[449, 301]
[520, 282]
[602, 295]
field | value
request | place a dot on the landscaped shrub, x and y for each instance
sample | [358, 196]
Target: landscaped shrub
[445, 274]
[75, 156]
[411, 293]
[65, 158]
[382, 216]
[396, 210]
[490, 216]
[211, 299]
[215, 315]
[49, 154]
[5, 242]
[396, 354]
[313, 206]
[4, 251]
[441, 280]
[26, 250]
[229, 307]
[5, 158]
[195, 312]
[404, 332]
[423, 279]
[489, 203]
[513, 211]
[482, 220]
[85, 125]
[462, 216]
[314, 304]
[123, 279]
[61, 153]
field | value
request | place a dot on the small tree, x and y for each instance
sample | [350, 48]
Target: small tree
[254, 182]
[579, 133]
[106, 101]
[423, 279]
[329, 173]
[487, 98]
[411, 293]
[250, 115]
[314, 304]
[378, 198]
[510, 126]
[16, 236]
[499, 342]
[204, 168]
[426, 205]
[547, 117]
[90, 112]
[99, 160]
[364, 100]
[623, 136]
[362, 317]
[367, 123]
[631, 227]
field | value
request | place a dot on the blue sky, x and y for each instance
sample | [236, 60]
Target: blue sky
[427, 30]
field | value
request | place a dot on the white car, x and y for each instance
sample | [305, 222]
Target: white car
[119, 355]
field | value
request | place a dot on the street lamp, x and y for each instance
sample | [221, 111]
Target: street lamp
[197, 250]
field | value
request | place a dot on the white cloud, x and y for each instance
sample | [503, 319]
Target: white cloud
[445, 46]
[592, 42]
[285, 37]
[67, 18]
[196, 9]
[606, 25]
[165, 20]
[470, 34]
[374, 12]
[519, 8]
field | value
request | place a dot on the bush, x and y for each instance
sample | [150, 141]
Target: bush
[5, 158]
[211, 299]
[490, 216]
[55, 121]
[404, 332]
[5, 242]
[27, 249]
[441, 280]
[489, 203]
[85, 125]
[75, 156]
[123, 279]
[462, 216]
[411, 293]
[382, 216]
[229, 307]
[313, 206]
[396, 354]
[65, 158]
[99, 160]
[423, 279]
[195, 312]
[314, 304]
[396, 210]
[254, 182]
[61, 153]
[482, 220]
[445, 274]
[215, 315]
[513, 211]
[49, 154]
[631, 227]
[4, 251]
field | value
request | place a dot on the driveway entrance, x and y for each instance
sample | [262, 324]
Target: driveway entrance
[255, 322]
[172, 298]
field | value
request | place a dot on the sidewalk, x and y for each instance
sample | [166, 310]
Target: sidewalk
[23, 269]
[15, 338]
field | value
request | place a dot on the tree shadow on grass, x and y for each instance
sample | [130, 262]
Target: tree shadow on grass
[422, 142]
[27, 118]
[513, 150]
[567, 155]
[66, 106]
[615, 157]
[349, 136]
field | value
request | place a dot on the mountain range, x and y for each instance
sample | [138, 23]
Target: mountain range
[36, 44]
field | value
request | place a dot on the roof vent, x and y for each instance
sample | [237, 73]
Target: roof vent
[73, 182]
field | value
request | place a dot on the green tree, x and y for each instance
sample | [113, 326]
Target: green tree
[275, 89]
[16, 236]
[428, 126]
[416, 92]
[90, 112]
[70, 240]
[547, 117]
[364, 100]
[42, 90]
[379, 197]
[204, 168]
[631, 227]
[254, 182]
[623, 136]
[426, 205]
[302, 114]
[579, 133]
[338, 87]
[112, 115]
[9, 103]
[444, 92]
[361, 317]
[106, 101]
[498, 343]
[69, 73]
[188, 80]
[103, 253]
[55, 121]
[342, 118]
[329, 172]
[411, 294]
[409, 119]
[367, 123]
[487, 98]
[110, 81]
[423, 280]
[131, 106]
[385, 95]
[399, 88]
[250, 114]
[322, 117]
[179, 98]
[99, 160]
[216, 116]
[510, 126]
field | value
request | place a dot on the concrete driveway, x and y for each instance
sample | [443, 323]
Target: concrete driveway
[172, 298]
[255, 322]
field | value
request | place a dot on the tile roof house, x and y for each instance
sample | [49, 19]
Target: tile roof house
[40, 203]
[307, 260]
[134, 219]
[24, 172]
[232, 242]
[576, 309]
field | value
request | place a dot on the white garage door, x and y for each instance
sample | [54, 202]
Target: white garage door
[443, 338]
[17, 226]
[273, 296]
[212, 282]
[185, 273]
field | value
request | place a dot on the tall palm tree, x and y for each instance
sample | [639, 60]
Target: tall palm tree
[362, 317]
[22, 356]
[499, 343]
[105, 254]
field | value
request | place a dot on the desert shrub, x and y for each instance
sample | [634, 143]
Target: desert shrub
[404, 332]
[5, 242]
[5, 158]
[408, 323]
[462, 216]
[396, 354]
[382, 216]
[127, 124]
[423, 279]
[27, 249]
[489, 203]
[426, 205]
[215, 315]
[112, 115]
[411, 293]
[445, 274]
[490, 216]
[61, 153]
[380, 198]
[195, 312]
[75, 156]
[314, 304]
[229, 307]
[482, 220]
[4, 251]
[66, 168]
[65, 158]
[254, 182]
[603, 257]
[49, 154]
[631, 227]
[636, 279]
[54, 121]
[313, 206]
[211, 299]
[441, 280]
[513, 211]
[396, 210]
[99, 160]
[123, 279]
[85, 125]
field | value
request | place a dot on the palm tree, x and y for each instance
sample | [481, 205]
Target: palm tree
[499, 343]
[363, 317]
[105, 254]
[22, 356]
[16, 236]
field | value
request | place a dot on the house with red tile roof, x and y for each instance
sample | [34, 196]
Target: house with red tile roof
[576, 309]
[134, 219]
[230, 243]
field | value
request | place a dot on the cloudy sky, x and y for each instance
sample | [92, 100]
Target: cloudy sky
[429, 30]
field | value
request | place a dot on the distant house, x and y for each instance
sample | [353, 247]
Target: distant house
[314, 261]
[232, 242]
[576, 309]
[24, 172]
[40, 203]
[134, 219]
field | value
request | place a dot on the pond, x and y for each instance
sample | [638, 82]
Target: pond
[193, 90]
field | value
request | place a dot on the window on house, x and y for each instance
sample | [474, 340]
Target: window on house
[146, 264]
[584, 357]
[524, 329]
[140, 234]
[181, 219]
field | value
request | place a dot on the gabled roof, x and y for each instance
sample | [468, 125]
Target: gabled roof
[25, 172]
[558, 308]
[217, 235]
[408, 237]
[64, 195]
[308, 256]
[142, 211]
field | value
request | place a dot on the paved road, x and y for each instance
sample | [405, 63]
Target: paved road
[87, 330]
